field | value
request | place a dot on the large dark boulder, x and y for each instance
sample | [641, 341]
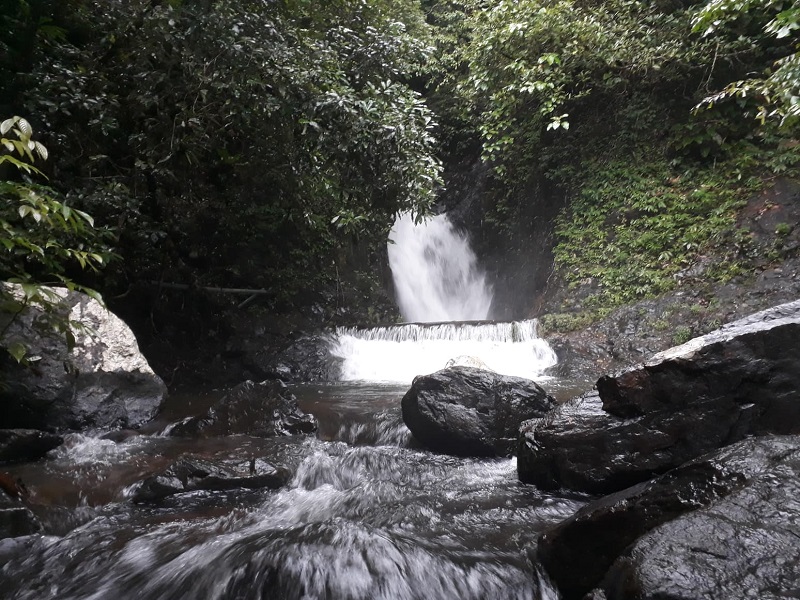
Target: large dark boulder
[754, 362]
[741, 380]
[265, 409]
[190, 474]
[101, 381]
[23, 445]
[471, 412]
[745, 544]
[578, 552]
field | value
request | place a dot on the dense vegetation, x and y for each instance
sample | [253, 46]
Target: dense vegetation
[269, 144]
[239, 144]
[640, 113]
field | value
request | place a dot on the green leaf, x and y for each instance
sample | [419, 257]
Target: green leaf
[25, 128]
[70, 337]
[6, 125]
[17, 350]
[86, 217]
[94, 294]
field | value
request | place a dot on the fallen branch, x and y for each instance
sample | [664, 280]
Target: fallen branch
[213, 290]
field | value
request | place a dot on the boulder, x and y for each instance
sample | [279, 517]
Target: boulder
[715, 390]
[742, 545]
[16, 519]
[265, 409]
[578, 552]
[471, 412]
[303, 359]
[191, 474]
[754, 362]
[582, 447]
[24, 445]
[100, 381]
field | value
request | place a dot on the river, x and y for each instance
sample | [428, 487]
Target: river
[367, 515]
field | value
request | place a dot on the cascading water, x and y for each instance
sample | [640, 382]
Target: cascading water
[441, 288]
[436, 274]
[366, 516]
[400, 353]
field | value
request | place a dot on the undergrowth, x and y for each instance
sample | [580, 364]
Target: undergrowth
[639, 225]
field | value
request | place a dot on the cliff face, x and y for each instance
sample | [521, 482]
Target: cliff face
[517, 249]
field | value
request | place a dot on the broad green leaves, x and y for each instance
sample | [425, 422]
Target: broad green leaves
[40, 238]
[227, 136]
[532, 62]
[23, 145]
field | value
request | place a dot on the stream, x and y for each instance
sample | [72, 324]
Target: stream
[367, 515]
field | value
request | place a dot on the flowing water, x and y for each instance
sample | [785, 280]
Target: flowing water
[398, 353]
[436, 274]
[368, 515]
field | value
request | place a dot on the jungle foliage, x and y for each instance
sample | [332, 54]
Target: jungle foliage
[243, 144]
[270, 143]
[43, 239]
[627, 106]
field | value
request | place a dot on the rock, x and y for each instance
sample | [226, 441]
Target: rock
[16, 519]
[23, 445]
[755, 360]
[712, 391]
[191, 474]
[743, 545]
[263, 409]
[303, 359]
[578, 552]
[120, 435]
[472, 412]
[103, 381]
[571, 448]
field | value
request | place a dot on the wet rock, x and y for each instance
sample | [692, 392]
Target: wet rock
[16, 519]
[191, 474]
[754, 361]
[265, 409]
[304, 359]
[471, 412]
[570, 448]
[23, 445]
[742, 545]
[712, 391]
[102, 381]
[120, 435]
[579, 551]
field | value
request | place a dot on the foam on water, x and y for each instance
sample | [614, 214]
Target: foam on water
[400, 353]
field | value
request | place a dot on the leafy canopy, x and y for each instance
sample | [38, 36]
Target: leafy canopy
[777, 91]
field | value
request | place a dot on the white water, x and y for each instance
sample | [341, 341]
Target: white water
[436, 275]
[438, 281]
[399, 353]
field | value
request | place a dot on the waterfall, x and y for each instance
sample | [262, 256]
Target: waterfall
[399, 353]
[441, 289]
[435, 272]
